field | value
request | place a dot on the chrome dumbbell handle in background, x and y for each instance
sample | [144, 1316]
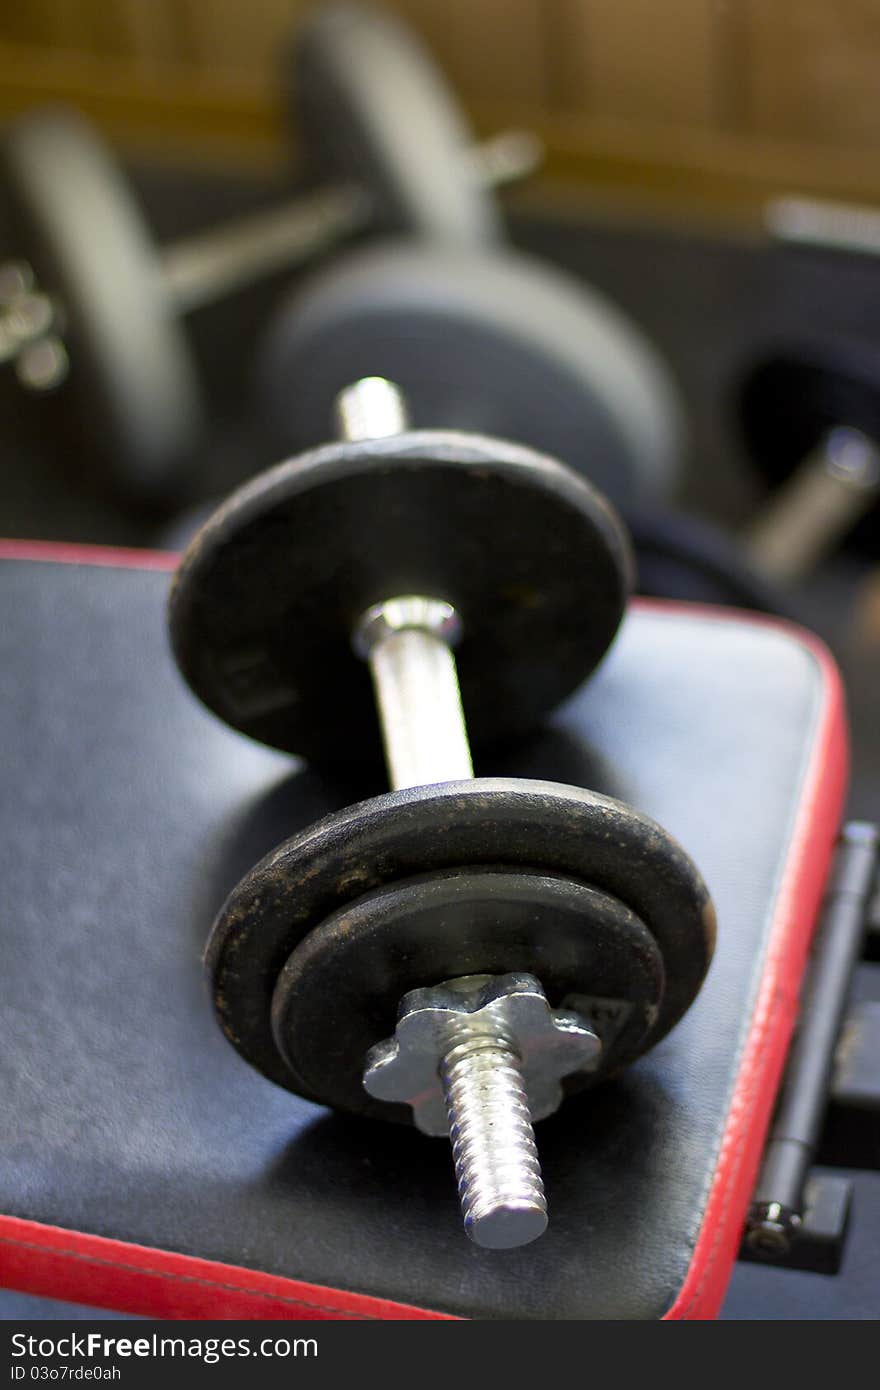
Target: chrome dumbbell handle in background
[203, 268]
[829, 492]
[825, 224]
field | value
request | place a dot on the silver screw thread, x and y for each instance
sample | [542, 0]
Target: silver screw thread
[493, 1143]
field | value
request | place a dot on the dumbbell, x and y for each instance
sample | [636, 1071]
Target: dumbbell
[93, 298]
[490, 340]
[460, 952]
[686, 557]
[810, 420]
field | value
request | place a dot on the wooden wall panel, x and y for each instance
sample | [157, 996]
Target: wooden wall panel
[241, 37]
[648, 93]
[812, 69]
[147, 30]
[493, 50]
[793, 69]
[49, 23]
[636, 60]
[143, 31]
[433, 21]
[501, 49]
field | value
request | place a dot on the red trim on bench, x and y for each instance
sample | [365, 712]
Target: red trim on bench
[80, 1267]
[73, 1265]
[67, 553]
[763, 1058]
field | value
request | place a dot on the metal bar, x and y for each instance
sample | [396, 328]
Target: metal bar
[202, 268]
[508, 157]
[849, 227]
[407, 640]
[823, 499]
[777, 1207]
[419, 703]
[371, 408]
[206, 267]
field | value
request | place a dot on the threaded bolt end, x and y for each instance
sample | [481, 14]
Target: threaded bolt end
[493, 1143]
[372, 408]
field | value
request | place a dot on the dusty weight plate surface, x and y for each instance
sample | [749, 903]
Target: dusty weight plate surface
[339, 991]
[132, 383]
[373, 110]
[271, 588]
[486, 341]
[543, 826]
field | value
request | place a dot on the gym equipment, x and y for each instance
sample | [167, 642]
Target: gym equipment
[143, 1137]
[529, 936]
[488, 340]
[93, 298]
[823, 224]
[377, 117]
[688, 558]
[810, 420]
[777, 1211]
[493, 341]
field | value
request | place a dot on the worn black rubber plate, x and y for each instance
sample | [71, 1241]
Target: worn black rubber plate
[490, 341]
[339, 991]
[270, 590]
[132, 384]
[373, 110]
[507, 823]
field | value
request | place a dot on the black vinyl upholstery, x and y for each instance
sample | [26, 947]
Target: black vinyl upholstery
[127, 814]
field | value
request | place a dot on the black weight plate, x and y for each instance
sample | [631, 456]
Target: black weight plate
[373, 109]
[132, 382]
[270, 590]
[687, 558]
[339, 991]
[490, 821]
[487, 341]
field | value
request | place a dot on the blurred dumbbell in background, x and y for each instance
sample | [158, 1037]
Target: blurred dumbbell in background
[93, 310]
[804, 410]
[94, 319]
